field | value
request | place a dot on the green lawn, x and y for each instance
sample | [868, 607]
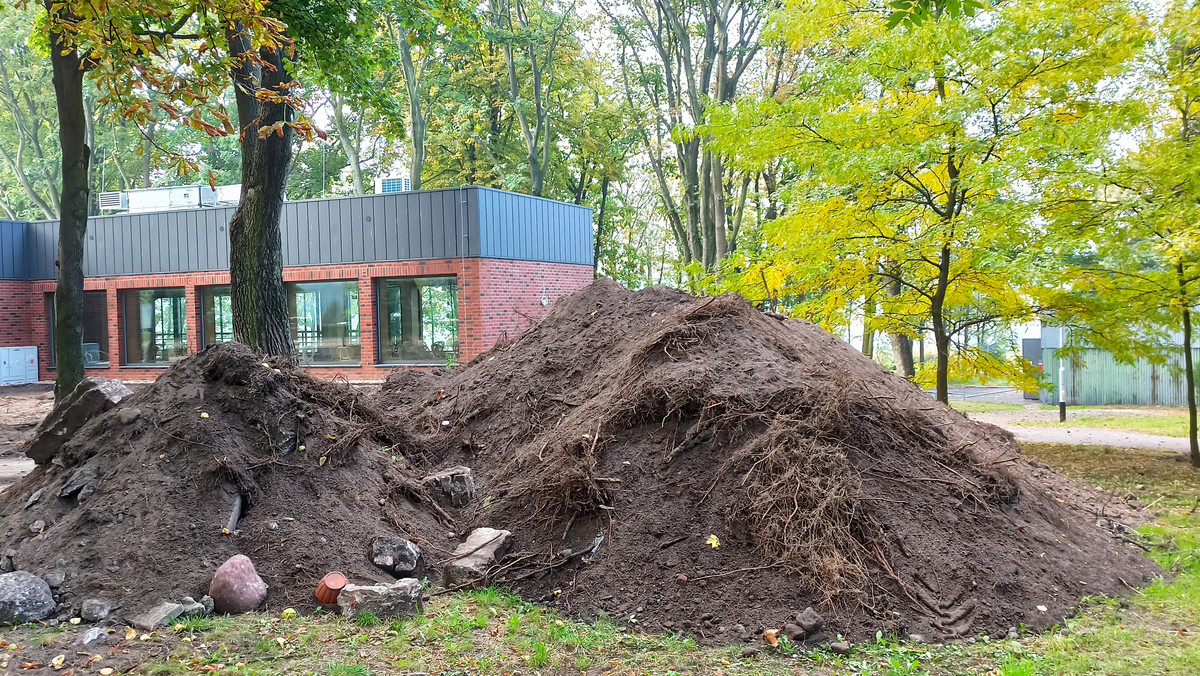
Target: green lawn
[1170, 425]
[492, 632]
[969, 406]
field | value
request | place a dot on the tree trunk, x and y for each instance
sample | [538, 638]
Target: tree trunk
[258, 296]
[72, 228]
[868, 337]
[902, 345]
[941, 336]
[349, 145]
[600, 225]
[1189, 372]
[416, 116]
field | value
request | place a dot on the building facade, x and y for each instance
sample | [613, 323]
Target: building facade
[373, 283]
[1094, 377]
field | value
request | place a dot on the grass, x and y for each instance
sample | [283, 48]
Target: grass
[1170, 425]
[968, 406]
[489, 631]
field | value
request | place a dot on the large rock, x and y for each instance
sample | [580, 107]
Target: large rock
[456, 484]
[401, 598]
[24, 597]
[158, 616]
[398, 557]
[91, 396]
[236, 586]
[471, 560]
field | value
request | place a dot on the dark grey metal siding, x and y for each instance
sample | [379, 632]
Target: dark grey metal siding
[451, 223]
[12, 249]
[524, 227]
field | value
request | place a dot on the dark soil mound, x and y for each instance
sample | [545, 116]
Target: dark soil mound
[648, 422]
[146, 524]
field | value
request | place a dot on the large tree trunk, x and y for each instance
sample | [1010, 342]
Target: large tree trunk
[416, 115]
[941, 336]
[72, 229]
[259, 300]
[902, 345]
[1189, 372]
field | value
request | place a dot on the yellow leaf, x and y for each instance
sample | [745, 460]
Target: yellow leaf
[713, 542]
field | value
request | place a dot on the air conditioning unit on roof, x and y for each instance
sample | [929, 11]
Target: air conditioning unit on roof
[392, 184]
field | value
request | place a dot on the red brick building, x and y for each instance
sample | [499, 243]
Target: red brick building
[374, 283]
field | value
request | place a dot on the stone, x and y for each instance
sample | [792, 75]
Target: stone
[401, 598]
[236, 586]
[398, 557]
[749, 651]
[457, 484]
[917, 638]
[840, 648]
[126, 416]
[78, 483]
[810, 620]
[94, 634]
[37, 527]
[94, 610]
[1013, 634]
[55, 578]
[37, 495]
[24, 597]
[207, 602]
[470, 561]
[158, 616]
[794, 632]
[6, 564]
[193, 608]
[90, 397]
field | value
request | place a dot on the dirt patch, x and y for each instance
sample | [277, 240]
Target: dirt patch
[22, 407]
[638, 425]
[320, 470]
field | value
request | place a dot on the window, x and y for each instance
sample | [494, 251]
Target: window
[95, 328]
[155, 325]
[324, 318]
[418, 321]
[216, 315]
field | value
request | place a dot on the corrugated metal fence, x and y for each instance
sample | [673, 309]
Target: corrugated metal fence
[1095, 378]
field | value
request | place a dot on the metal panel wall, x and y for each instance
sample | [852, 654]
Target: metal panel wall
[432, 224]
[523, 227]
[1095, 378]
[12, 249]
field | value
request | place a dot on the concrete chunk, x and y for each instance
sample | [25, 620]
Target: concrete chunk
[456, 484]
[401, 598]
[471, 560]
[158, 616]
[89, 398]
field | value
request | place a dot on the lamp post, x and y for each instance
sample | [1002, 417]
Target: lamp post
[1062, 383]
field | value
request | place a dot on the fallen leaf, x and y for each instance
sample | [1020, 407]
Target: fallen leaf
[57, 662]
[771, 636]
[713, 541]
[106, 671]
[130, 633]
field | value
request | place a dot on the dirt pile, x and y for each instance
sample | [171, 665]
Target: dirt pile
[688, 463]
[133, 508]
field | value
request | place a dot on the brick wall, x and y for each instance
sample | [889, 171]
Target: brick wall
[17, 309]
[495, 298]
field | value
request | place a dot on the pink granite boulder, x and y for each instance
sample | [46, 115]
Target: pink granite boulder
[236, 587]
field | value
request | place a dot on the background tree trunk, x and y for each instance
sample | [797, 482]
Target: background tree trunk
[416, 115]
[258, 296]
[72, 229]
[1189, 371]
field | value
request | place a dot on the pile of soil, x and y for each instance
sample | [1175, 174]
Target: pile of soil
[321, 472]
[627, 429]
[670, 461]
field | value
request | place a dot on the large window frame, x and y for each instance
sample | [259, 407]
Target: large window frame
[433, 336]
[96, 353]
[221, 312]
[321, 337]
[168, 330]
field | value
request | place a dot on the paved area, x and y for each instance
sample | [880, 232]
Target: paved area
[1011, 421]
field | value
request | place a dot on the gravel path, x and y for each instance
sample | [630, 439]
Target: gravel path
[1091, 436]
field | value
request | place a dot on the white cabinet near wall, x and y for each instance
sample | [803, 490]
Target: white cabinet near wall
[18, 365]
